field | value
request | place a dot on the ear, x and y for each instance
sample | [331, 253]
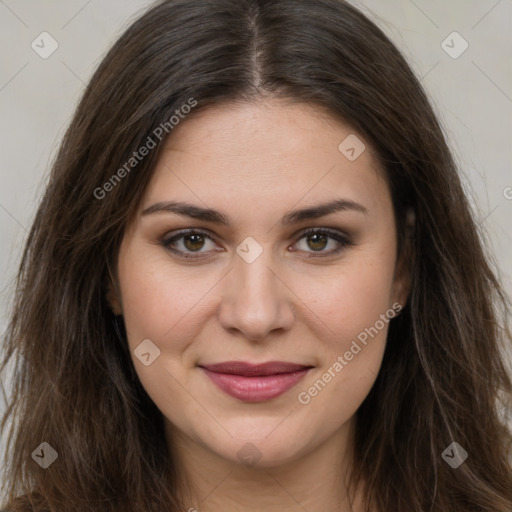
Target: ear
[113, 297]
[403, 271]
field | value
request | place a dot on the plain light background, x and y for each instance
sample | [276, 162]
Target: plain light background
[472, 95]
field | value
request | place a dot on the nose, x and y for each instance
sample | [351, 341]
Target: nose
[256, 300]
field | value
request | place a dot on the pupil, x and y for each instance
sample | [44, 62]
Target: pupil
[193, 246]
[316, 236]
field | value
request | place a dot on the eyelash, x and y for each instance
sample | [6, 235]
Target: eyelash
[344, 242]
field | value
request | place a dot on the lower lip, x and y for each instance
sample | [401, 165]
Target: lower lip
[255, 389]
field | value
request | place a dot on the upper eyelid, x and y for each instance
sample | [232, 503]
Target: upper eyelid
[210, 234]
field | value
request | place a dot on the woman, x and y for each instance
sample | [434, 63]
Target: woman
[254, 283]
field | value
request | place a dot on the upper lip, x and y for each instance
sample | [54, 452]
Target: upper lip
[255, 370]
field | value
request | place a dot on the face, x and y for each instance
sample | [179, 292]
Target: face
[310, 293]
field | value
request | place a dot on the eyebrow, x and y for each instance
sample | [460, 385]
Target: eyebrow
[291, 217]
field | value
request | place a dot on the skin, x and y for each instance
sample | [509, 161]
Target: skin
[254, 163]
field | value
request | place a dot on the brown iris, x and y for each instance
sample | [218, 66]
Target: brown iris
[193, 242]
[319, 241]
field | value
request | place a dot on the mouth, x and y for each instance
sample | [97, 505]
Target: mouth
[255, 382]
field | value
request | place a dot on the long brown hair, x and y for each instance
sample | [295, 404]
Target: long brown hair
[443, 377]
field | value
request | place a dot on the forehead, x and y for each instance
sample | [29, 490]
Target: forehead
[266, 154]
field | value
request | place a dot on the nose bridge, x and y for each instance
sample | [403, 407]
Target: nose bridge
[255, 301]
[255, 278]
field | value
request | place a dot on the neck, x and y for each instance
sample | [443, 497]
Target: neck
[314, 481]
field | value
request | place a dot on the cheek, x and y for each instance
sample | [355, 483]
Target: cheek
[355, 305]
[352, 358]
[351, 297]
[161, 300]
[161, 303]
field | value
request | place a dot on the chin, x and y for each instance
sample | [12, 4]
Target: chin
[260, 452]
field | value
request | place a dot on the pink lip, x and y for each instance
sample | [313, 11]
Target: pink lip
[255, 383]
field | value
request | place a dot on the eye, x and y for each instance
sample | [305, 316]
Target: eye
[189, 243]
[318, 239]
